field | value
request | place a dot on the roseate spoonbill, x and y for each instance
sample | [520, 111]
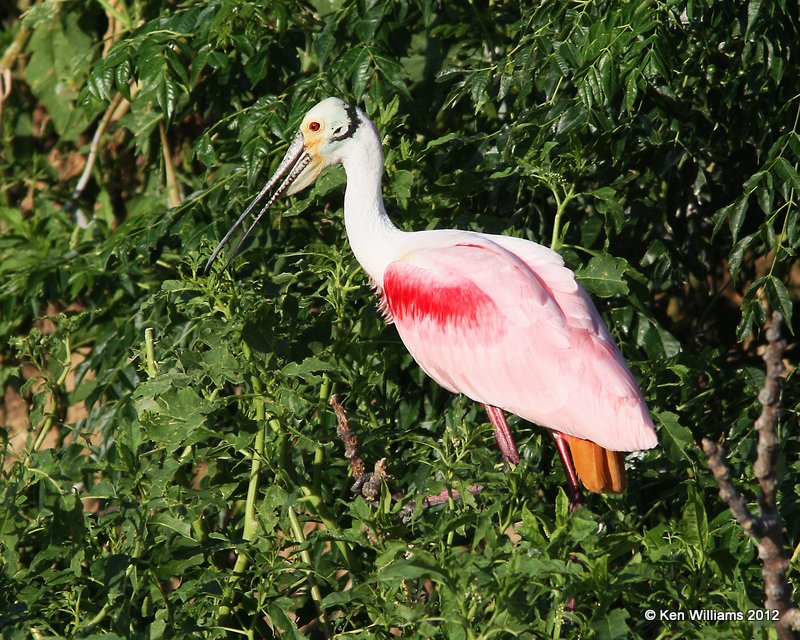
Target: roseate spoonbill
[497, 318]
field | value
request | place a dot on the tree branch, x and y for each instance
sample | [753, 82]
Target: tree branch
[368, 485]
[348, 438]
[767, 527]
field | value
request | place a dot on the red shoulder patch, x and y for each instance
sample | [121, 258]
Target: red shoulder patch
[411, 294]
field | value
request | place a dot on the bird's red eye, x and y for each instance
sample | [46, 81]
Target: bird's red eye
[313, 126]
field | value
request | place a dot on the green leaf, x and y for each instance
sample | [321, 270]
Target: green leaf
[753, 312]
[169, 414]
[787, 172]
[765, 194]
[122, 76]
[612, 626]
[694, 524]
[753, 9]
[737, 212]
[737, 253]
[779, 298]
[172, 523]
[282, 622]
[673, 436]
[603, 276]
[401, 183]
[55, 71]
[99, 84]
[103, 489]
[561, 508]
[167, 96]
[359, 64]
[411, 569]
[437, 142]
[477, 84]
[631, 90]
[307, 366]
[336, 599]
[657, 341]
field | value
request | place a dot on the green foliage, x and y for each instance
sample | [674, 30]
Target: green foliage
[203, 491]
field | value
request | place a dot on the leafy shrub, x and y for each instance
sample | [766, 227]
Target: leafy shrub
[182, 474]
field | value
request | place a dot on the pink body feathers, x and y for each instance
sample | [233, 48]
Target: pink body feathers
[502, 321]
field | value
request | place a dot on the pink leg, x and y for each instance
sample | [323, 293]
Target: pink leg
[502, 433]
[574, 489]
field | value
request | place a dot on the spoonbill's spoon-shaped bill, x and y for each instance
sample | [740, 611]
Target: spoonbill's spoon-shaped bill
[497, 318]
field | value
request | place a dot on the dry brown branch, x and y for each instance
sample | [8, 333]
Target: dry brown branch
[446, 494]
[115, 27]
[767, 526]
[368, 485]
[348, 438]
[722, 474]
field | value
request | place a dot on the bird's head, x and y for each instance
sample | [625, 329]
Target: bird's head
[326, 129]
[322, 141]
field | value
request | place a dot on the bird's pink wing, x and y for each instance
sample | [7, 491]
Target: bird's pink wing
[481, 320]
[576, 305]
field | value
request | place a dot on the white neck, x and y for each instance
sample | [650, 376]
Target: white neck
[372, 236]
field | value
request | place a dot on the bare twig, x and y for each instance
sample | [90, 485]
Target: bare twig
[92, 157]
[367, 484]
[8, 61]
[117, 109]
[16, 47]
[174, 196]
[348, 438]
[446, 494]
[722, 474]
[767, 527]
[5, 89]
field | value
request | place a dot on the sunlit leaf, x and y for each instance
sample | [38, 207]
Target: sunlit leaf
[603, 276]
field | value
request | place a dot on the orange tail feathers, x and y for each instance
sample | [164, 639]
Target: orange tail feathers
[600, 470]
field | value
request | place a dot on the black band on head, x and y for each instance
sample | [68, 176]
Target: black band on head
[353, 122]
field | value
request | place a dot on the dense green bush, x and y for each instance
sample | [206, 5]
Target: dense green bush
[654, 144]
